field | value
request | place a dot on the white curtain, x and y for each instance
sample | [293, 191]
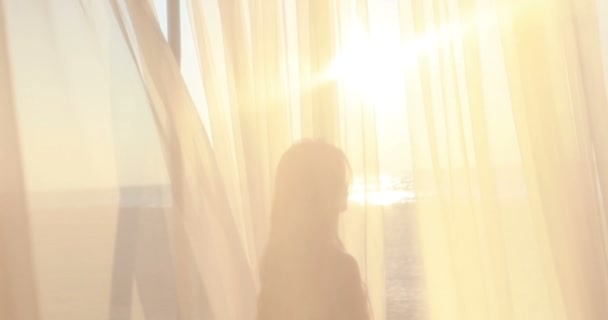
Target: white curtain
[133, 187]
[505, 102]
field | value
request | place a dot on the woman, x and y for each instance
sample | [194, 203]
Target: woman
[306, 274]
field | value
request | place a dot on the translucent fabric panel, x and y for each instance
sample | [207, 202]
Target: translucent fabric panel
[130, 208]
[206, 226]
[266, 67]
[117, 202]
[560, 119]
[96, 187]
[502, 158]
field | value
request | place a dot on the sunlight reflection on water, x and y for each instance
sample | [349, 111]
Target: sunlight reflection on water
[384, 191]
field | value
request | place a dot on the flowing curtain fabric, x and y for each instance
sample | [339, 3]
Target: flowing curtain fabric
[137, 211]
[85, 169]
[128, 192]
[505, 102]
[264, 65]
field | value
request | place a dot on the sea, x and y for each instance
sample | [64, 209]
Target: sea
[404, 272]
[82, 247]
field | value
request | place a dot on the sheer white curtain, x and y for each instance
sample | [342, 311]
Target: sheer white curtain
[266, 85]
[106, 125]
[128, 191]
[505, 102]
[83, 143]
[267, 70]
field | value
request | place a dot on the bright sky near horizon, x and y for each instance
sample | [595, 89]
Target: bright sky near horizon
[61, 93]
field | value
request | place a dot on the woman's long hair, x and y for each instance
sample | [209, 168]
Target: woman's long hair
[310, 192]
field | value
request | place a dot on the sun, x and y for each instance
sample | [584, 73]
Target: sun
[370, 68]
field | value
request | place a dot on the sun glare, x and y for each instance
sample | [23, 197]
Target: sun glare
[372, 66]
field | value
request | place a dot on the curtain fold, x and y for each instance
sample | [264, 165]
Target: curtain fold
[237, 45]
[587, 37]
[203, 217]
[224, 126]
[18, 292]
[362, 226]
[257, 105]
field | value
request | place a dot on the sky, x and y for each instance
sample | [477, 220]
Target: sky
[393, 135]
[61, 66]
[370, 67]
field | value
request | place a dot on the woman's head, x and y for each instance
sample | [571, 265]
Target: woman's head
[301, 260]
[311, 187]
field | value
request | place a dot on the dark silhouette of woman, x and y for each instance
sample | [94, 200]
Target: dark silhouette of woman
[306, 273]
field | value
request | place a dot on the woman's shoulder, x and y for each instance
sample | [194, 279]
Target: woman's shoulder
[350, 298]
[346, 267]
[346, 260]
